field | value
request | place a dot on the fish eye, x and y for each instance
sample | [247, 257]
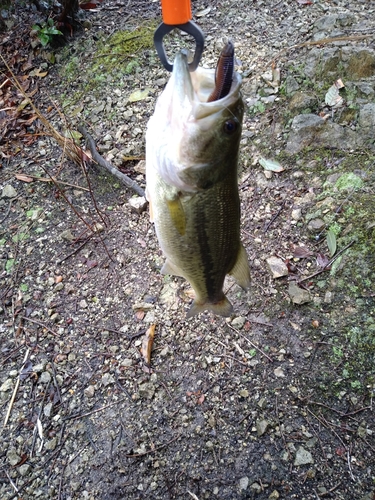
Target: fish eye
[230, 126]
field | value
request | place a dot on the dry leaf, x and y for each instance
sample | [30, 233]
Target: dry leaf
[302, 252]
[147, 343]
[272, 165]
[140, 314]
[24, 178]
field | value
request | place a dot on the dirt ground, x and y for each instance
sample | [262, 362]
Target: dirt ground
[275, 402]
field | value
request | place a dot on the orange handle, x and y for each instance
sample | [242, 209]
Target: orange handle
[176, 11]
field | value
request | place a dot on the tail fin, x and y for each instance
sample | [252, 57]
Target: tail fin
[221, 308]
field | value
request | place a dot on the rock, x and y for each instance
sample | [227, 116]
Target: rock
[244, 393]
[138, 204]
[291, 85]
[308, 130]
[239, 322]
[296, 214]
[261, 426]
[366, 118]
[279, 372]
[67, 235]
[256, 487]
[244, 483]
[13, 457]
[51, 444]
[47, 410]
[277, 267]
[361, 64]
[8, 192]
[140, 167]
[45, 378]
[274, 495]
[303, 457]
[298, 295]
[147, 390]
[7, 385]
[316, 225]
[302, 101]
[325, 23]
[89, 391]
[24, 469]
[107, 379]
[303, 130]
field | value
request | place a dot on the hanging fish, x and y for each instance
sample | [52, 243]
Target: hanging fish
[192, 145]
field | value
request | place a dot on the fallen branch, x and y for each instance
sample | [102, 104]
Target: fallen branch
[108, 166]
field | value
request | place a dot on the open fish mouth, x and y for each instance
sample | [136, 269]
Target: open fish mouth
[185, 115]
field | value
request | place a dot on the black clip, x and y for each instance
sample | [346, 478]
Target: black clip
[192, 29]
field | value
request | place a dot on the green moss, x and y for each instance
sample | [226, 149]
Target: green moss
[348, 182]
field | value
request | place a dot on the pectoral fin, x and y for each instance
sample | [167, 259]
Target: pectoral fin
[241, 270]
[176, 211]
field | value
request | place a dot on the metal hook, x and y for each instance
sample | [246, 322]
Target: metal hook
[192, 29]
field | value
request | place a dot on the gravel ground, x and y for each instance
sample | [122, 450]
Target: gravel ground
[275, 402]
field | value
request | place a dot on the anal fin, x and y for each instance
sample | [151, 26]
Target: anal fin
[241, 269]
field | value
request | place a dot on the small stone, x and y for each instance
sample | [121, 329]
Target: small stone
[47, 410]
[296, 214]
[279, 372]
[239, 322]
[51, 444]
[45, 378]
[24, 469]
[277, 267]
[13, 457]
[138, 204]
[147, 390]
[89, 391]
[67, 235]
[58, 287]
[262, 426]
[244, 393]
[9, 192]
[303, 457]
[83, 304]
[107, 379]
[316, 225]
[244, 483]
[298, 295]
[274, 495]
[127, 362]
[256, 487]
[7, 385]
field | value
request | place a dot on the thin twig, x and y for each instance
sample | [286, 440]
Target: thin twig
[53, 179]
[41, 324]
[76, 417]
[15, 391]
[328, 265]
[274, 217]
[136, 455]
[251, 343]
[108, 166]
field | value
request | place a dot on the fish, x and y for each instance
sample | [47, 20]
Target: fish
[192, 149]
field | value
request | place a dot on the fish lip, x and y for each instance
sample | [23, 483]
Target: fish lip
[183, 85]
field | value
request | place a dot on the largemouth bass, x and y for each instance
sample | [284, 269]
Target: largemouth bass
[191, 182]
